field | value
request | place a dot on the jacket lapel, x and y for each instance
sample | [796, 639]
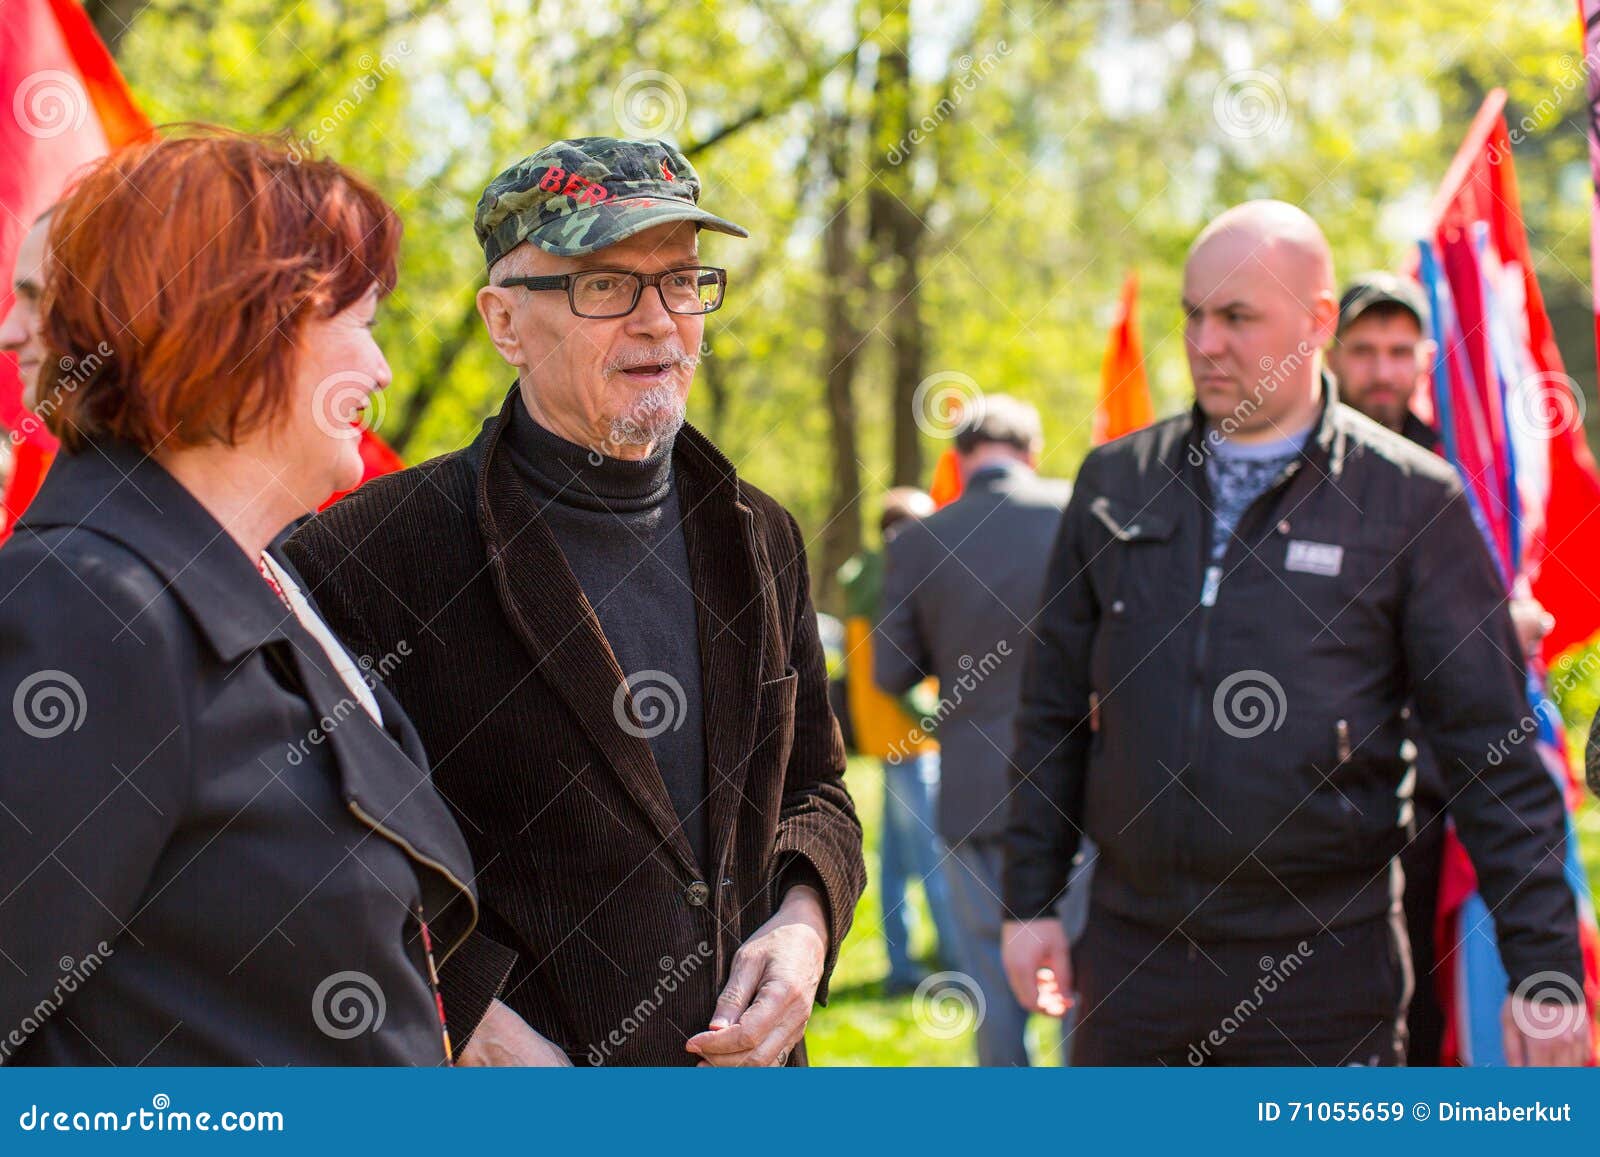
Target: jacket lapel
[549, 612]
[387, 790]
[731, 610]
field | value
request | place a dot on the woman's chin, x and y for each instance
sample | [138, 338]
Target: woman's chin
[347, 469]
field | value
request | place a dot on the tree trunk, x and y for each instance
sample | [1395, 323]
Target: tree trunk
[898, 233]
[112, 18]
[841, 535]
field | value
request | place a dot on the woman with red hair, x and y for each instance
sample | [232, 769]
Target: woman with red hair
[219, 843]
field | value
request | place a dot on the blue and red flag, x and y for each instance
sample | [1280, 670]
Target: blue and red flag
[1511, 422]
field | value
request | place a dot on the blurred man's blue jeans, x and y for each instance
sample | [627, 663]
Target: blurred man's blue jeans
[911, 850]
[973, 874]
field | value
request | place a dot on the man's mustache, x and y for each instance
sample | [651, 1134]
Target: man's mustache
[664, 356]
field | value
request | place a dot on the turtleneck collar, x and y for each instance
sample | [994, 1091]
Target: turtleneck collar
[577, 476]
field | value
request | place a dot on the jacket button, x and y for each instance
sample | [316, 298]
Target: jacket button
[1283, 527]
[1118, 607]
[698, 893]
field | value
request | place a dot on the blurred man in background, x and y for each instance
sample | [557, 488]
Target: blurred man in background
[960, 592]
[889, 729]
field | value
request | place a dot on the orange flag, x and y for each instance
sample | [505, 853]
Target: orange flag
[946, 485]
[1124, 394]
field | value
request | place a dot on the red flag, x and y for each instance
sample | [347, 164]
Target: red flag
[69, 105]
[377, 458]
[1124, 393]
[1562, 554]
[1510, 422]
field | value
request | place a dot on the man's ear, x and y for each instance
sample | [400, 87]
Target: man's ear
[1325, 319]
[494, 306]
[1427, 349]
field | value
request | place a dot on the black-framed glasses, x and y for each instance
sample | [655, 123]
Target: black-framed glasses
[693, 289]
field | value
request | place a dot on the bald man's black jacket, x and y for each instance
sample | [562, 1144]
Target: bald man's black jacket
[1242, 768]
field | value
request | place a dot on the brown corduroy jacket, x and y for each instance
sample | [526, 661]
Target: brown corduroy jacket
[623, 940]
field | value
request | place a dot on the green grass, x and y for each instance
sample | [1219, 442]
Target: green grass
[862, 1026]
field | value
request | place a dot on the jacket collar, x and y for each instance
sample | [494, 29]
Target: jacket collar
[1325, 448]
[997, 478]
[547, 609]
[116, 490]
[1420, 432]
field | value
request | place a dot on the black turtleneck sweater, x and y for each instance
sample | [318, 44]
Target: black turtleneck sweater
[618, 524]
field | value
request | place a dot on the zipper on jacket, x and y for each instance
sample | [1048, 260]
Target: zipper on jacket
[405, 845]
[1212, 573]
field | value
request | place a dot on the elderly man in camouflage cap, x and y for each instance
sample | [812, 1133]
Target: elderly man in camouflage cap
[611, 654]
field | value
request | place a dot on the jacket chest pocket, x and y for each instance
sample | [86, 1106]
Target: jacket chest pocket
[1337, 572]
[775, 708]
[1139, 584]
[1136, 574]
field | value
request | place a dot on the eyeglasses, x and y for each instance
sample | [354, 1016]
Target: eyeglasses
[695, 289]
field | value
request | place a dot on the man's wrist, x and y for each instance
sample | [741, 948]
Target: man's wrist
[804, 902]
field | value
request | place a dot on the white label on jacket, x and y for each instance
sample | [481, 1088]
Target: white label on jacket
[1322, 558]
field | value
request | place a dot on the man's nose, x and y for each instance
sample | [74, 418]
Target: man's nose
[650, 316]
[1208, 337]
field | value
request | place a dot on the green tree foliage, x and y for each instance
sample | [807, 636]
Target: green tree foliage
[946, 187]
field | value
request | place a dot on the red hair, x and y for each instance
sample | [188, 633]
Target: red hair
[181, 273]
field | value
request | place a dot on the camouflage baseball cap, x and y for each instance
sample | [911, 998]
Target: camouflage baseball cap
[577, 196]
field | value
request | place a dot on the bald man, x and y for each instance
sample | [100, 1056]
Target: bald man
[1241, 604]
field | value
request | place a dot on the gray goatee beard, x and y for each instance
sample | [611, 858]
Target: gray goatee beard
[656, 415]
